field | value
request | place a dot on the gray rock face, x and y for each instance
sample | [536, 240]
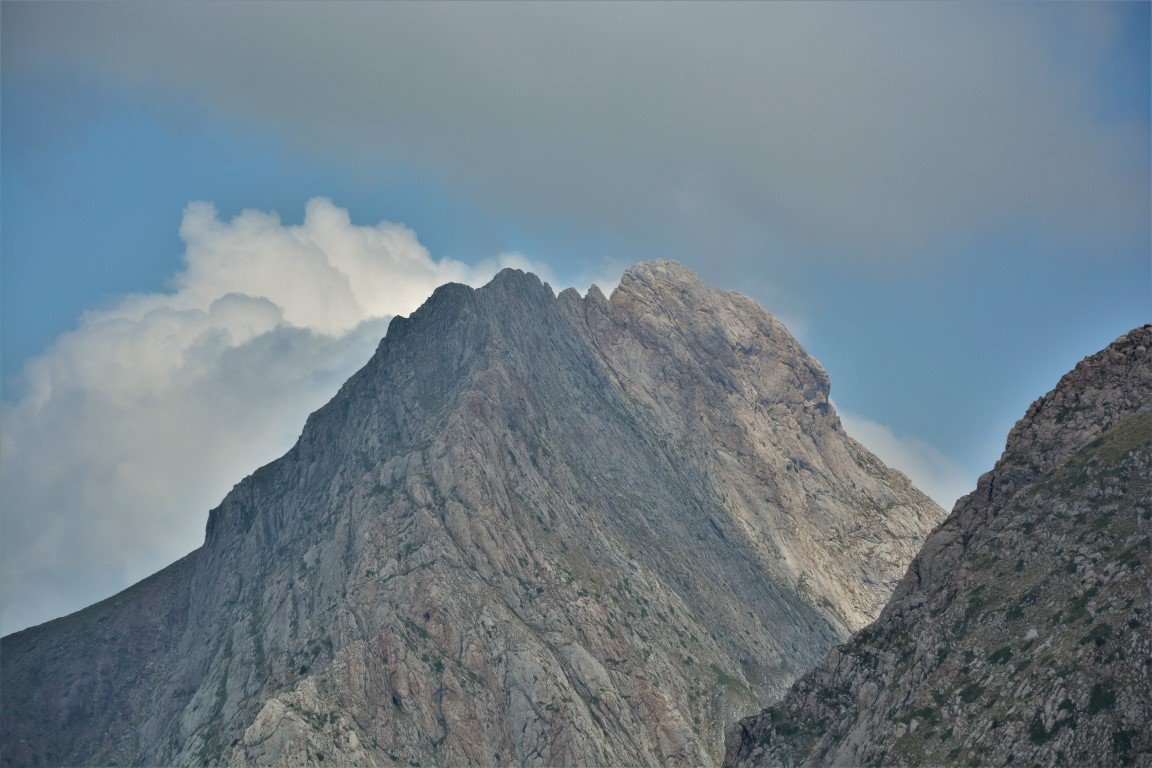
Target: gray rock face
[1020, 634]
[532, 530]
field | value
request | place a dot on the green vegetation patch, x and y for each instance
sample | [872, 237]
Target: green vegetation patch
[1101, 698]
[1122, 746]
[1078, 608]
[1131, 433]
[1107, 449]
[1001, 656]
[783, 723]
[727, 680]
[971, 693]
[1098, 634]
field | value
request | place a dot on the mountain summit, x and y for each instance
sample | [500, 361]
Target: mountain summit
[533, 529]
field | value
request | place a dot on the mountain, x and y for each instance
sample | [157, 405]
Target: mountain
[533, 529]
[1022, 632]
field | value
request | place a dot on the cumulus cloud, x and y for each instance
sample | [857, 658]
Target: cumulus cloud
[857, 131]
[929, 470]
[137, 422]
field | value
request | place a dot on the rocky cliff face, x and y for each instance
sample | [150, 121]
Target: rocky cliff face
[1021, 632]
[532, 530]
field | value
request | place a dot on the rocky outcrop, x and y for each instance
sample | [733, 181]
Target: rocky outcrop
[1020, 634]
[533, 529]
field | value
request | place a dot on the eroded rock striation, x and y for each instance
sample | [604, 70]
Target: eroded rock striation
[533, 529]
[1022, 632]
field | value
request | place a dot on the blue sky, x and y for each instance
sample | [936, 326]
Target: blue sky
[949, 205]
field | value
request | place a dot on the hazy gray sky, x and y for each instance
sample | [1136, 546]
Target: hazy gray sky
[859, 130]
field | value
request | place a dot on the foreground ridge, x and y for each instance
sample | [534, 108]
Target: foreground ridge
[1020, 634]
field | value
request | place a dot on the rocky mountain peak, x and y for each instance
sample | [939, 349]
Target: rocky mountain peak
[511, 281]
[533, 529]
[664, 273]
[1088, 401]
[674, 312]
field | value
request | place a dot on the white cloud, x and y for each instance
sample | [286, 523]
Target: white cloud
[929, 470]
[138, 421]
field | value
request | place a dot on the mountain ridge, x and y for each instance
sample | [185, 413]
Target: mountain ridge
[1044, 561]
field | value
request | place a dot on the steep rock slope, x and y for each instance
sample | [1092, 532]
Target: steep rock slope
[1022, 632]
[533, 529]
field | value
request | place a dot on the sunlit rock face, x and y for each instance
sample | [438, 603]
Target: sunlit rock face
[1021, 632]
[533, 529]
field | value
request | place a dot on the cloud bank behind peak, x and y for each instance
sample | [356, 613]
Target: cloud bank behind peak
[135, 423]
